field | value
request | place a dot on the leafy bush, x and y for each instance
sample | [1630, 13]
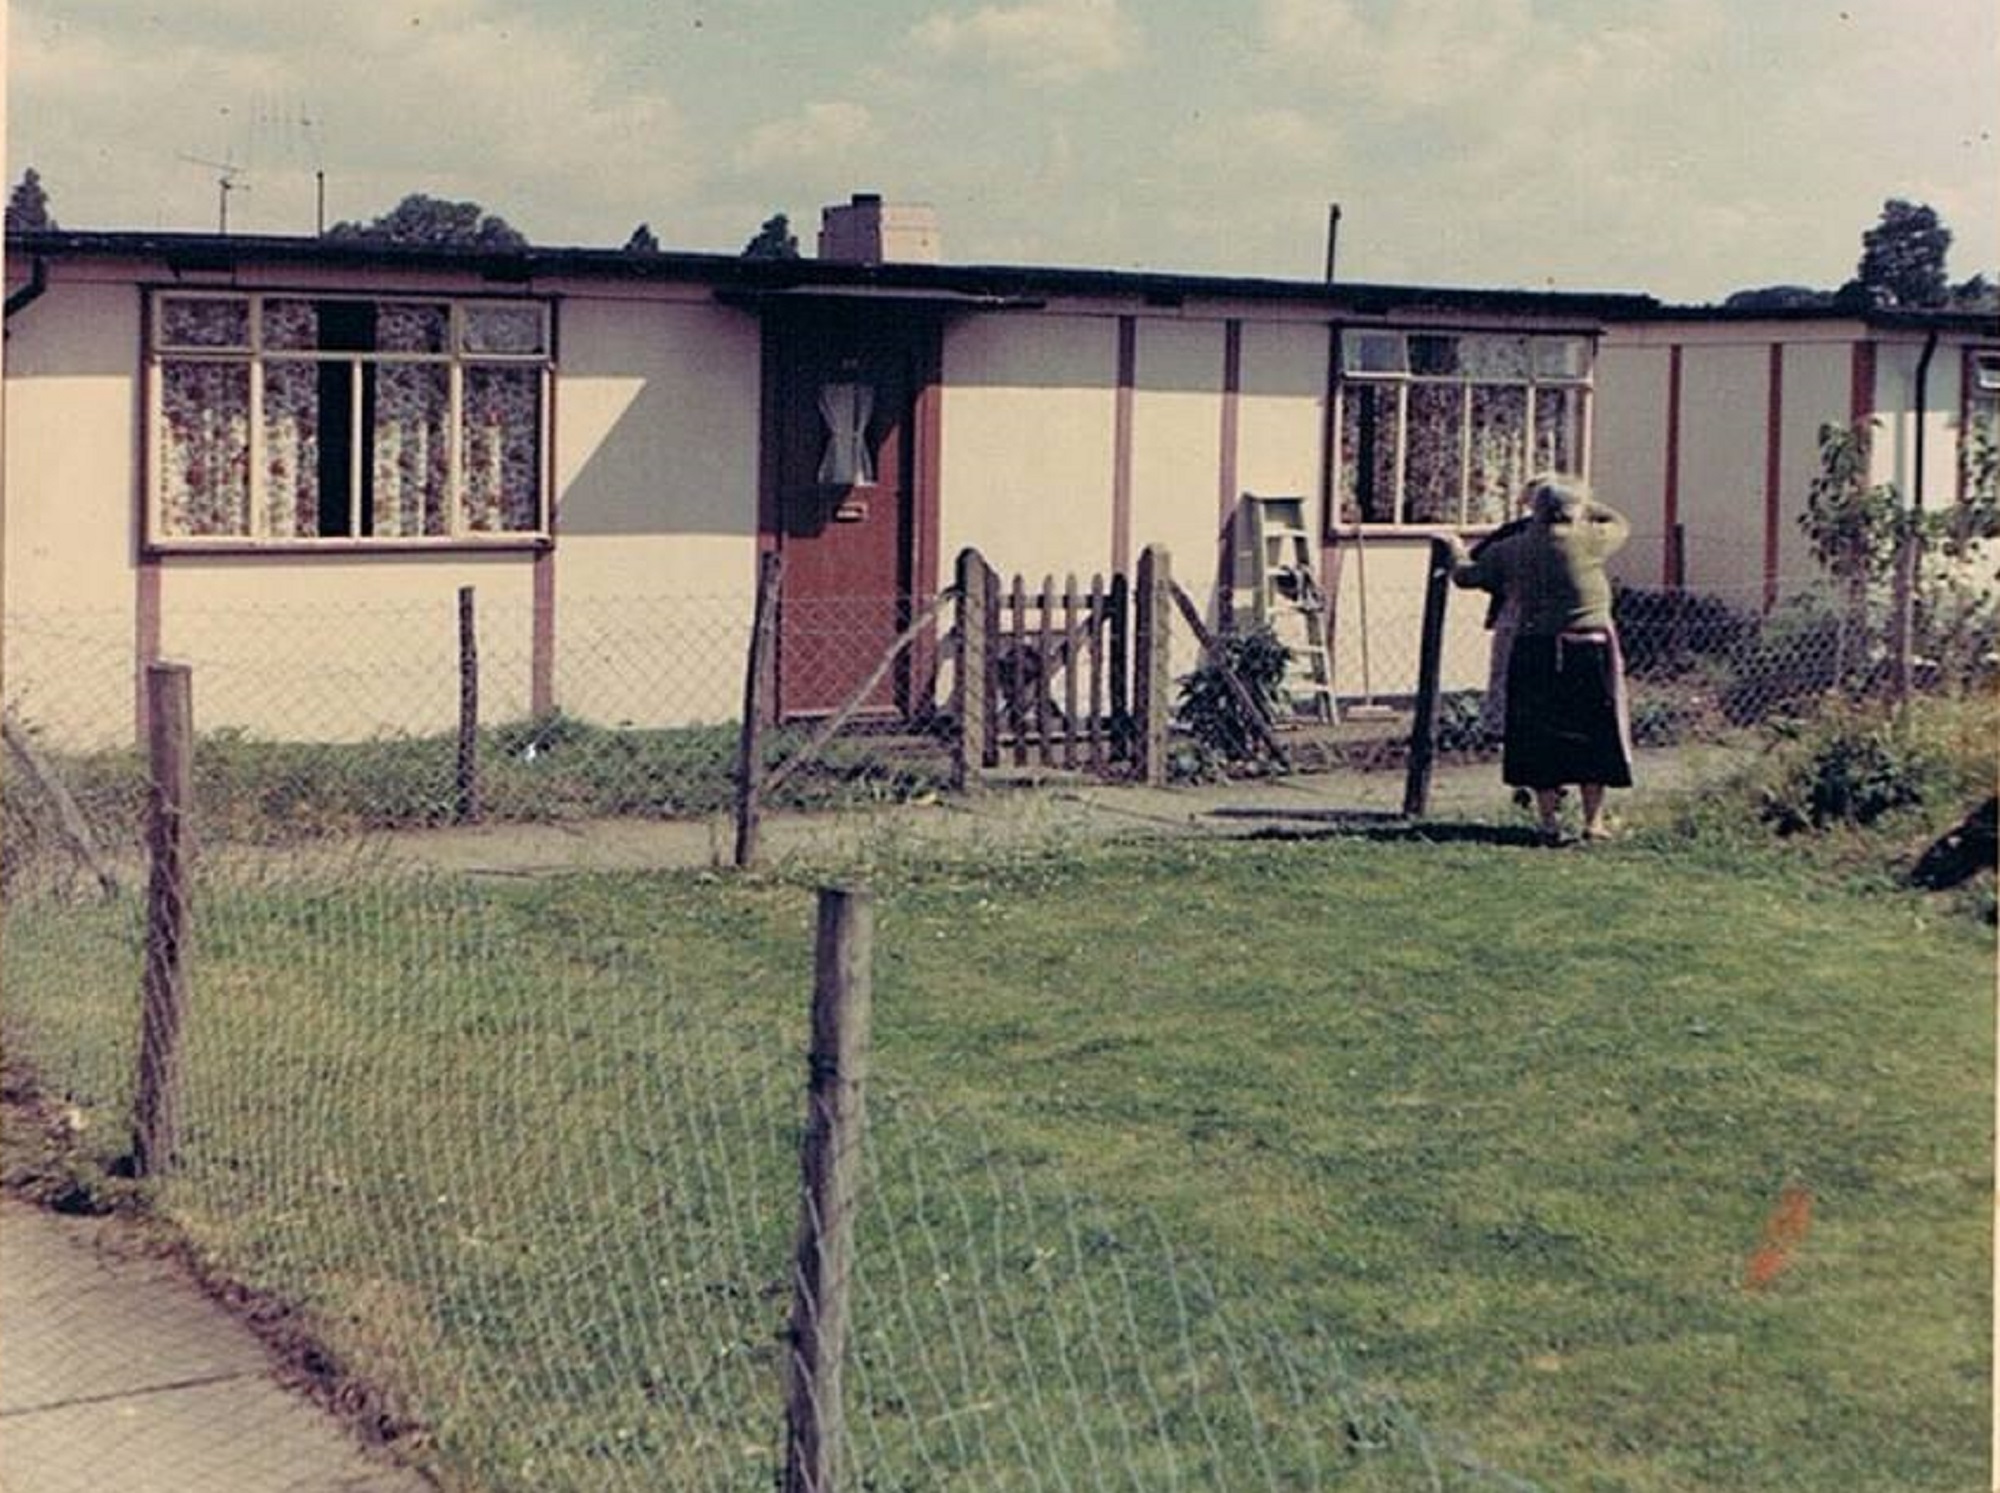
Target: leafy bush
[1851, 768]
[1461, 723]
[1209, 709]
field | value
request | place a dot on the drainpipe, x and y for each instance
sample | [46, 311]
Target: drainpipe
[27, 295]
[1908, 553]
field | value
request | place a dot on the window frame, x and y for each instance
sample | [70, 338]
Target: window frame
[1553, 359]
[257, 359]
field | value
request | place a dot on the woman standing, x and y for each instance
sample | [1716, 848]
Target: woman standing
[1566, 715]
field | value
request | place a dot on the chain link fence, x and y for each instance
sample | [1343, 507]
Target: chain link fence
[524, 1179]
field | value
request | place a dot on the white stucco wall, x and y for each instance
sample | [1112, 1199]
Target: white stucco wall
[658, 413]
[72, 483]
[1725, 406]
[1379, 586]
[1177, 457]
[344, 648]
[1817, 380]
[1629, 452]
[1028, 434]
[1895, 453]
[1281, 416]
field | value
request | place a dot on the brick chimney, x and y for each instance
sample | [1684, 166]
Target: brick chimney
[867, 230]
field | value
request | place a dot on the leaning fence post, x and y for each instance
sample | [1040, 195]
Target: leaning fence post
[830, 1167]
[756, 706]
[1430, 661]
[164, 989]
[969, 751]
[1151, 674]
[467, 805]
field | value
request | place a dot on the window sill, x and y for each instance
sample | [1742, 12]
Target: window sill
[1408, 531]
[293, 549]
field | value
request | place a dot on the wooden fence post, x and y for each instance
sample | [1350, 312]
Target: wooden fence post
[1430, 669]
[468, 808]
[757, 681]
[969, 751]
[1151, 671]
[164, 990]
[830, 1169]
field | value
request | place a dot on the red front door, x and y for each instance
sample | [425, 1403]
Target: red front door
[845, 385]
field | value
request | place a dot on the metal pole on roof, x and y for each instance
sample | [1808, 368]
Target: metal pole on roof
[1332, 236]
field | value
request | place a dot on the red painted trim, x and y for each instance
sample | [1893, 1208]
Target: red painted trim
[767, 443]
[145, 638]
[1670, 498]
[1861, 383]
[1232, 414]
[542, 643]
[926, 498]
[1774, 437]
[1121, 446]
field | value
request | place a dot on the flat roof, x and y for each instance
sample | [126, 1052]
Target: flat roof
[964, 283]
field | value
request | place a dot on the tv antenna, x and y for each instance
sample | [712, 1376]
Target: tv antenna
[225, 183]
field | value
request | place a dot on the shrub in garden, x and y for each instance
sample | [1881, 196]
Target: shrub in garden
[1854, 768]
[1209, 710]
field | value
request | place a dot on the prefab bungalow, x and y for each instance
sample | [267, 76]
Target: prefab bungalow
[210, 438]
[1708, 422]
[283, 457]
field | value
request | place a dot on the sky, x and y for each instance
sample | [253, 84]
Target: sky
[1686, 148]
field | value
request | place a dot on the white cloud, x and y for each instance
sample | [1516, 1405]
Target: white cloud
[1413, 54]
[818, 133]
[455, 99]
[1051, 41]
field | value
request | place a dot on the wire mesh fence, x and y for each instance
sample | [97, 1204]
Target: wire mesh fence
[523, 1176]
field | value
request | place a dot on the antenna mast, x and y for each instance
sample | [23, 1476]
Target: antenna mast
[225, 183]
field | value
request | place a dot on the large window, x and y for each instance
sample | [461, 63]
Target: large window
[1440, 429]
[292, 419]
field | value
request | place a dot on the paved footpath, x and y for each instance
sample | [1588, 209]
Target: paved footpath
[118, 1375]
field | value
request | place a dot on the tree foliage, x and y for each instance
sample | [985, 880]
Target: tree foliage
[28, 207]
[433, 221]
[775, 240]
[1903, 255]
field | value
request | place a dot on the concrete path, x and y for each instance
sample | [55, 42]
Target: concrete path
[1048, 813]
[118, 1375]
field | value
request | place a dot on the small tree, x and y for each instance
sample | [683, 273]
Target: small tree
[775, 240]
[28, 207]
[1852, 524]
[1903, 255]
[420, 219]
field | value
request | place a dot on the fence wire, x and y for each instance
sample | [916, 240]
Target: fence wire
[544, 1208]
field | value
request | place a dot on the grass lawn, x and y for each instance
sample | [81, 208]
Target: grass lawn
[1327, 1163]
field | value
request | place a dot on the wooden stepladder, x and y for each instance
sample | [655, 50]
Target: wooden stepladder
[1274, 583]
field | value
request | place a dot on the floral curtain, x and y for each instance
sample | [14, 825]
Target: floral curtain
[412, 450]
[502, 448]
[204, 449]
[1434, 462]
[1368, 453]
[1558, 416]
[1498, 442]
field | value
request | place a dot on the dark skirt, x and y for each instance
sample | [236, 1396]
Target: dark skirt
[1567, 719]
